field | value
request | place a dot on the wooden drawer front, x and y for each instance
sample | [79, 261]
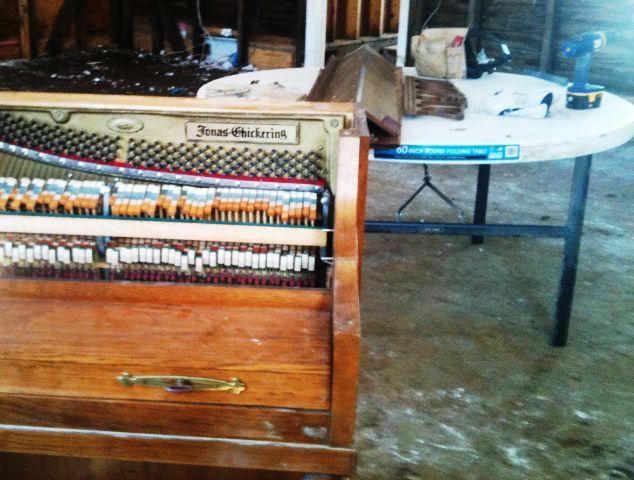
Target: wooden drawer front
[78, 348]
[166, 418]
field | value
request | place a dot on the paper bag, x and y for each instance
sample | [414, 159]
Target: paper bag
[440, 52]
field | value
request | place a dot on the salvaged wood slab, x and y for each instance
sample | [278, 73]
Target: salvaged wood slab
[440, 98]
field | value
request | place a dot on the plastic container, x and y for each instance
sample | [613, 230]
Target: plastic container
[220, 48]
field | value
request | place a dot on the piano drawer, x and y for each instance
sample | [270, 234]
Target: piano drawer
[166, 418]
[78, 347]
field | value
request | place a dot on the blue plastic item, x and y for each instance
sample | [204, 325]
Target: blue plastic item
[218, 49]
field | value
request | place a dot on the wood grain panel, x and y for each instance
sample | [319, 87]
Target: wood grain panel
[49, 347]
[166, 293]
[44, 467]
[274, 424]
[172, 105]
[373, 21]
[246, 454]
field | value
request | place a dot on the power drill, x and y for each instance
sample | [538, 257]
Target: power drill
[581, 94]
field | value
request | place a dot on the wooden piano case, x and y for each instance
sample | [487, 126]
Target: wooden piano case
[286, 358]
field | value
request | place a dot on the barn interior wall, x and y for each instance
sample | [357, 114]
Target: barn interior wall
[9, 27]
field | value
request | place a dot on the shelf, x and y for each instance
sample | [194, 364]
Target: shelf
[162, 230]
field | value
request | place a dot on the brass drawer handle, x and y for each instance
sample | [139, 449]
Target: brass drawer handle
[177, 384]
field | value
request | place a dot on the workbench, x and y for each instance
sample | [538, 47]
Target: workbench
[485, 140]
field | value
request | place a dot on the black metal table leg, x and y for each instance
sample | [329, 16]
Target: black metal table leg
[428, 183]
[574, 228]
[482, 196]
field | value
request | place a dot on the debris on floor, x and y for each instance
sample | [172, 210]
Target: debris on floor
[112, 71]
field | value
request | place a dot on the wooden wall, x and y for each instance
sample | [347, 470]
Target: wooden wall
[522, 24]
[268, 17]
[614, 65]
[350, 19]
[451, 12]
[43, 16]
[9, 27]
[9, 30]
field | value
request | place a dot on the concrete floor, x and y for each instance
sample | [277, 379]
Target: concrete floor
[458, 379]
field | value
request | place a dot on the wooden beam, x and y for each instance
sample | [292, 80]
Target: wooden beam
[80, 24]
[416, 19]
[545, 57]
[62, 24]
[474, 13]
[393, 16]
[373, 17]
[158, 32]
[198, 33]
[127, 24]
[243, 32]
[115, 22]
[339, 19]
[26, 42]
[172, 32]
[331, 24]
[300, 33]
[354, 10]
[384, 20]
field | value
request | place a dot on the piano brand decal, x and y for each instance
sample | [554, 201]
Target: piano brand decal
[413, 153]
[243, 132]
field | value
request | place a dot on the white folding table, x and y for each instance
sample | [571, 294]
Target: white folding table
[484, 140]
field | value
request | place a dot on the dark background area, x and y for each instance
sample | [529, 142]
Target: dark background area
[521, 23]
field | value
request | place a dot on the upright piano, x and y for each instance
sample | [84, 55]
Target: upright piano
[179, 284]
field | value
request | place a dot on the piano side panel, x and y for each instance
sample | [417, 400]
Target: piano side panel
[346, 321]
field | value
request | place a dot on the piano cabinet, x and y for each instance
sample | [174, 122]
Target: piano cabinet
[106, 376]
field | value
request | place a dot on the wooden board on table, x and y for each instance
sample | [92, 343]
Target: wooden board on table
[364, 77]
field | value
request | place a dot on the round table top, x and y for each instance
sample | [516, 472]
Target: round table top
[480, 137]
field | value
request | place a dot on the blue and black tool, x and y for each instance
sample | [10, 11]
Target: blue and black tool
[581, 94]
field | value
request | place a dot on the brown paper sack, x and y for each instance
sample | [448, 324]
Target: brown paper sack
[435, 56]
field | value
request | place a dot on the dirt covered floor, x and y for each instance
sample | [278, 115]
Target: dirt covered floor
[458, 379]
[107, 70]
